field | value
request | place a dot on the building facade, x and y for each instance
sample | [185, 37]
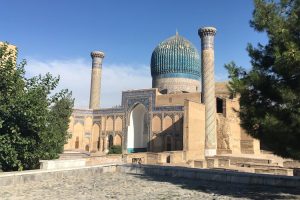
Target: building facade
[185, 111]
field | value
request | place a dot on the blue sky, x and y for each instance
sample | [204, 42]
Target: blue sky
[58, 36]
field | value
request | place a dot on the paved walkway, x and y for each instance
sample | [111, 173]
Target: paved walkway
[127, 186]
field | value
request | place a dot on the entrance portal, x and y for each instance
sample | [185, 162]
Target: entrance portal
[137, 135]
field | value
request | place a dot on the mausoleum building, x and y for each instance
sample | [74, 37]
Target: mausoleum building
[185, 113]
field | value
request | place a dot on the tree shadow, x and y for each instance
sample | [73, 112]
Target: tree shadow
[256, 192]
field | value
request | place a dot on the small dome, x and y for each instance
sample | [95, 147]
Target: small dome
[175, 57]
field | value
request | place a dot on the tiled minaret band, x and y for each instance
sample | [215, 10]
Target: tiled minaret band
[207, 35]
[97, 57]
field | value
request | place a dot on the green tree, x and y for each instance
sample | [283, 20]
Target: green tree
[33, 122]
[270, 90]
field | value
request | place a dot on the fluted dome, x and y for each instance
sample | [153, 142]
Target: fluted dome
[175, 57]
[175, 66]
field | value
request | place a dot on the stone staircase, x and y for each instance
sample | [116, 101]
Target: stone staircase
[265, 164]
[246, 164]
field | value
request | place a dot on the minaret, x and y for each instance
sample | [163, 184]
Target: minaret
[207, 35]
[97, 57]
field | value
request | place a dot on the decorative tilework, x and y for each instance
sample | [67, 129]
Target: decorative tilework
[175, 55]
[178, 75]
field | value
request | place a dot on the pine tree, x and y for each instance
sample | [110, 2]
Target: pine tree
[270, 90]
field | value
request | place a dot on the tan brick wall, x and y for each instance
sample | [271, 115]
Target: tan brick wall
[157, 143]
[77, 134]
[176, 99]
[194, 130]
[103, 122]
[221, 89]
[109, 124]
[118, 124]
[88, 122]
[241, 142]
[167, 122]
[118, 140]
[156, 124]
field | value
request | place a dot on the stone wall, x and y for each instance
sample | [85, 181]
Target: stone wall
[62, 164]
[104, 159]
[18, 178]
[213, 175]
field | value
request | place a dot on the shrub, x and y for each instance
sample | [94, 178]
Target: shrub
[115, 149]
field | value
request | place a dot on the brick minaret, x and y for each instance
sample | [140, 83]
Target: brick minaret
[97, 57]
[207, 35]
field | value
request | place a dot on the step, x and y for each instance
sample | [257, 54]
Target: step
[251, 164]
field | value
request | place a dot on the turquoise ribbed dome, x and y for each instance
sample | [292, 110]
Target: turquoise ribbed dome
[175, 57]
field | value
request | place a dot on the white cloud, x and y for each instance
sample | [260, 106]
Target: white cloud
[118, 78]
[76, 73]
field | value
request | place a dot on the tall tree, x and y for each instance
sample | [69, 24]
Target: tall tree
[33, 122]
[270, 90]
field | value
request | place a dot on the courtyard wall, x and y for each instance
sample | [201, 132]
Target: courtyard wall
[17, 178]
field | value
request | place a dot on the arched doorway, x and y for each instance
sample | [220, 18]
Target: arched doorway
[137, 135]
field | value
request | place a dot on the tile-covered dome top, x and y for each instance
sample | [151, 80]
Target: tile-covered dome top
[175, 57]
